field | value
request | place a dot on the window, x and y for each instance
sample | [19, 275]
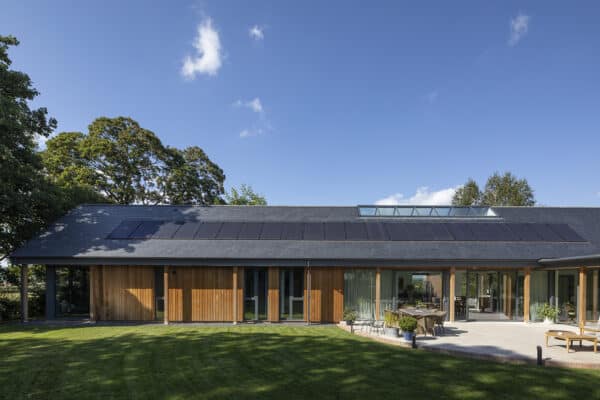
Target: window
[359, 292]
[420, 211]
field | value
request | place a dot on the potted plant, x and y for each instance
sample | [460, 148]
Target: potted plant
[408, 325]
[547, 312]
[349, 316]
[390, 326]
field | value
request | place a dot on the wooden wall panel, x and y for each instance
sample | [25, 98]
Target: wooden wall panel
[122, 293]
[452, 294]
[526, 294]
[201, 294]
[326, 295]
[273, 295]
[240, 295]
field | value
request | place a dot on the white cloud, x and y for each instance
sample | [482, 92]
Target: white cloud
[262, 123]
[255, 104]
[518, 28]
[423, 196]
[251, 132]
[256, 32]
[207, 59]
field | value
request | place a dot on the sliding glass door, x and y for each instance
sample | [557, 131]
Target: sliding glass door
[255, 294]
[291, 294]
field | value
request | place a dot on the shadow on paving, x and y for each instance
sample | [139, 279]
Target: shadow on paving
[255, 362]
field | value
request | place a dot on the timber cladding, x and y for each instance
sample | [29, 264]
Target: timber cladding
[203, 294]
[273, 295]
[326, 294]
[122, 293]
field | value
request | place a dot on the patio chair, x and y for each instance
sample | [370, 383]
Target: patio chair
[439, 319]
[363, 324]
[376, 326]
[425, 325]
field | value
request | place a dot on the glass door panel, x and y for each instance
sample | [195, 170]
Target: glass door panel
[460, 296]
[291, 294]
[255, 294]
[566, 295]
[491, 295]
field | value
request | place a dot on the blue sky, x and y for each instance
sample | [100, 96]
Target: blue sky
[336, 103]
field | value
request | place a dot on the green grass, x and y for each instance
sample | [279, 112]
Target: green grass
[179, 362]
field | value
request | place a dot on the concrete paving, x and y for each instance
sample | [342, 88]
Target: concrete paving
[504, 341]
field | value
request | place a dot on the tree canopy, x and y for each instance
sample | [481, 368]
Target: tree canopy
[245, 196]
[500, 190]
[467, 195]
[125, 163]
[28, 201]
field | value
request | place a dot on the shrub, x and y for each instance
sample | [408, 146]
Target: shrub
[408, 324]
[349, 315]
[547, 311]
[10, 308]
[391, 319]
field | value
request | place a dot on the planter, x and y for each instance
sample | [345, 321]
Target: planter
[393, 332]
[548, 321]
[408, 336]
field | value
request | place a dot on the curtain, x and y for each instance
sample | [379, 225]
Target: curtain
[359, 292]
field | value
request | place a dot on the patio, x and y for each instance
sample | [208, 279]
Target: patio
[502, 341]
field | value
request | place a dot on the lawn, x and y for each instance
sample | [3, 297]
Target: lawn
[180, 362]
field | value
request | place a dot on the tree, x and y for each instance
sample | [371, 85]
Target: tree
[507, 190]
[194, 178]
[500, 190]
[467, 195]
[27, 200]
[245, 196]
[125, 163]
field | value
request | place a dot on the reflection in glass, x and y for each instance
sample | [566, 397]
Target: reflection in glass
[72, 291]
[359, 292]
[405, 288]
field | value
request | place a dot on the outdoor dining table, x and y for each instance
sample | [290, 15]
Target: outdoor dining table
[425, 318]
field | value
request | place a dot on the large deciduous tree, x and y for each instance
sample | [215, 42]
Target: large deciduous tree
[245, 196]
[193, 178]
[500, 190]
[28, 200]
[127, 164]
[25, 196]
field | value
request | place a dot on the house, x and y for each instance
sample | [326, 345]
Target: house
[271, 263]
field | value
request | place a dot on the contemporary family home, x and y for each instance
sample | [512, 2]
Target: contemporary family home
[267, 263]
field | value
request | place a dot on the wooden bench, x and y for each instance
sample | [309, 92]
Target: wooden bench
[570, 337]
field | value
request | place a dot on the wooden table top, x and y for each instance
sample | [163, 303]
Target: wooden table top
[568, 335]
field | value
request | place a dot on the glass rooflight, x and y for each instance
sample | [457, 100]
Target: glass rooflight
[426, 211]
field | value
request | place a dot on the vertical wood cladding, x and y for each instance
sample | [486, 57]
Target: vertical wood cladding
[273, 294]
[122, 293]
[202, 294]
[326, 295]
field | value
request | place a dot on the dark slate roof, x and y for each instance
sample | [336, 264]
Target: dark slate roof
[93, 234]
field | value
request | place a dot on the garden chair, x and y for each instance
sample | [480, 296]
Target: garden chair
[376, 326]
[439, 319]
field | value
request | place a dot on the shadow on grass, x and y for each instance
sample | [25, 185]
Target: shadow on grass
[255, 362]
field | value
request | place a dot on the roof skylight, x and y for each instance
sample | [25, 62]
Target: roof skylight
[426, 211]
